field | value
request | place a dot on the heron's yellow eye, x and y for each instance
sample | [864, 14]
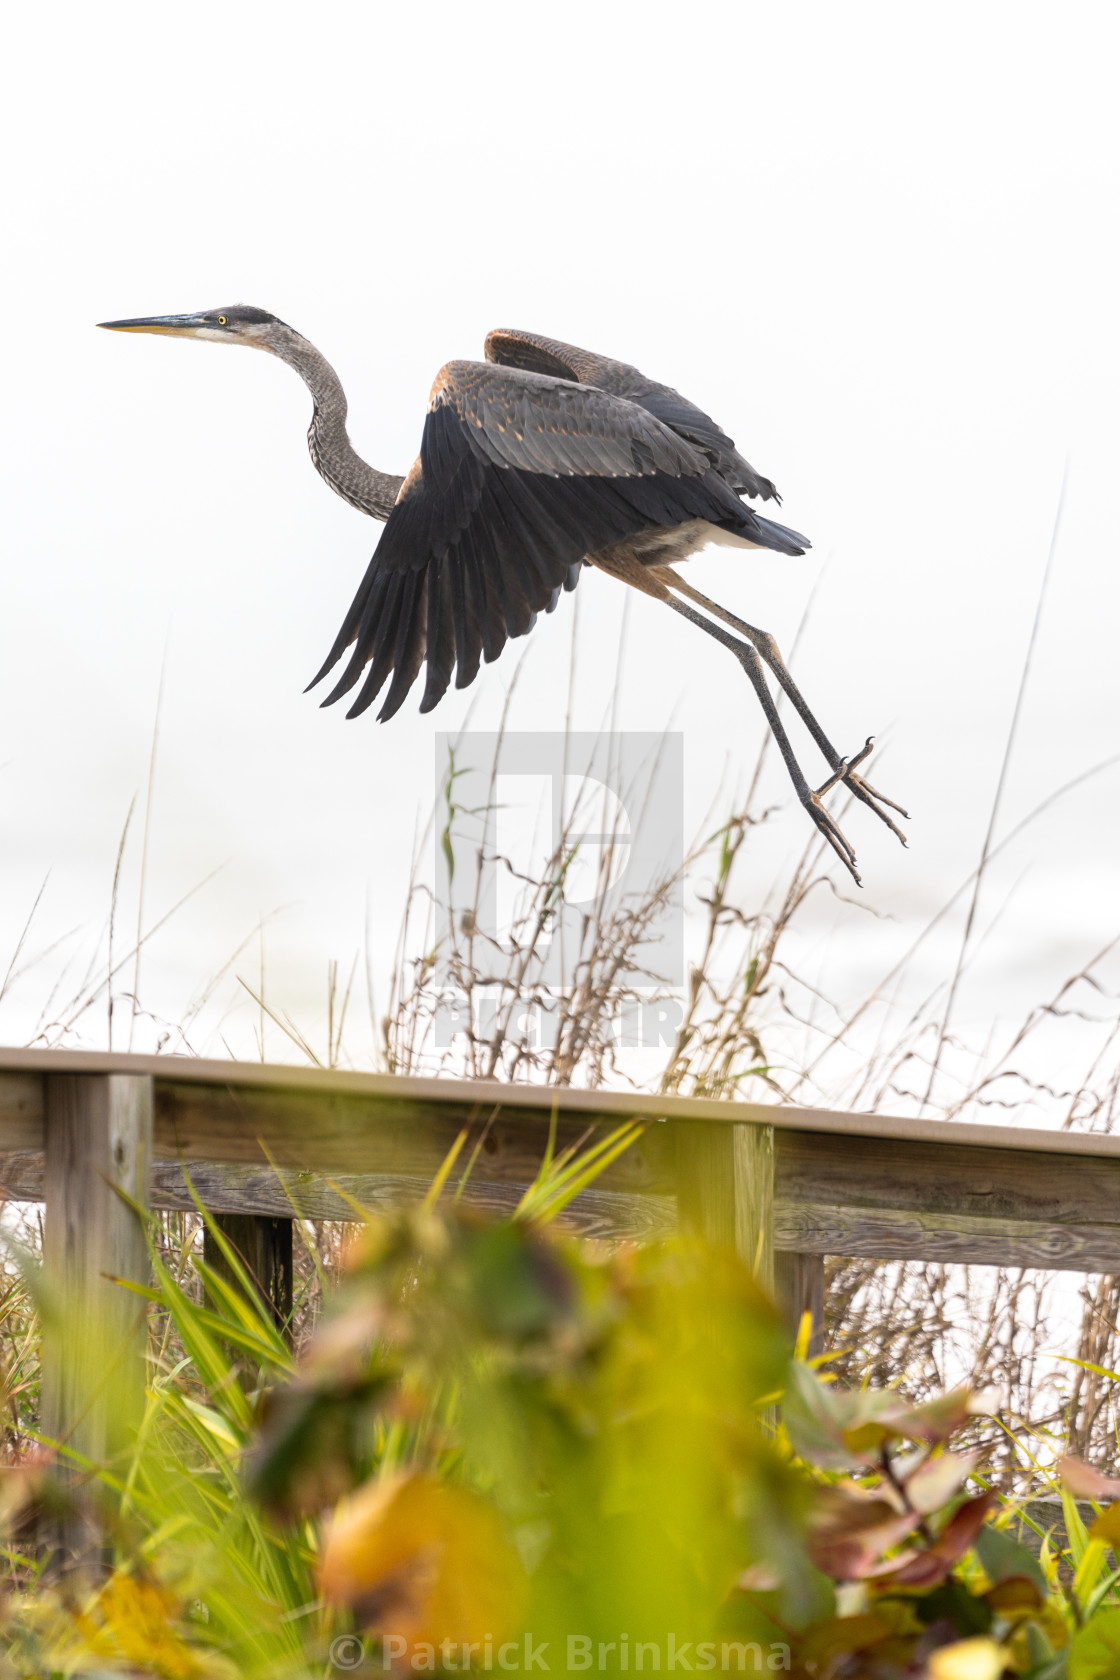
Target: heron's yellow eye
[221, 320]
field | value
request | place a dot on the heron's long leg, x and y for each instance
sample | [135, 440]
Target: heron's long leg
[843, 770]
[749, 659]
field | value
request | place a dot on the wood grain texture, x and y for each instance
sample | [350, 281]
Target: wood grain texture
[288, 1193]
[97, 1139]
[725, 1179]
[819, 1169]
[799, 1287]
[21, 1175]
[754, 1199]
[594, 1213]
[263, 1245]
[705, 1174]
[21, 1110]
[611, 1106]
[344, 1133]
[927, 1190]
[883, 1234]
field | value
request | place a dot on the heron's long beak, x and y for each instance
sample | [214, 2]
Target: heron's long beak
[179, 326]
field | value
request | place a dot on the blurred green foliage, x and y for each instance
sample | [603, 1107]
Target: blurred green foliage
[558, 1457]
[609, 1407]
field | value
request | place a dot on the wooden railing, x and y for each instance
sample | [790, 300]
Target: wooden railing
[261, 1144]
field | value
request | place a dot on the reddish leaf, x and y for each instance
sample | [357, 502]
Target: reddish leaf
[928, 1568]
[897, 1567]
[850, 1530]
[937, 1419]
[937, 1479]
[964, 1525]
[1084, 1482]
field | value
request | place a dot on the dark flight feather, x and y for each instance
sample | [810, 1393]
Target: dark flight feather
[525, 469]
[410, 646]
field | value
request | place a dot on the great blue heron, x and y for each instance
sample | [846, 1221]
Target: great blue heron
[534, 463]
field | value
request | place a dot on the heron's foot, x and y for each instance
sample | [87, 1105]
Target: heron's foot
[828, 826]
[847, 772]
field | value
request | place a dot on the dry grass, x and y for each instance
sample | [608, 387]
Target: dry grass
[753, 1024]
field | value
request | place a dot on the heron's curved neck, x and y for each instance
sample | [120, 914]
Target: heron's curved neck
[333, 454]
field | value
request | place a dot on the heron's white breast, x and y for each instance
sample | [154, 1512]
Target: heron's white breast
[663, 546]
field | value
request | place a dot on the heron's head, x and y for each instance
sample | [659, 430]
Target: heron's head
[239, 323]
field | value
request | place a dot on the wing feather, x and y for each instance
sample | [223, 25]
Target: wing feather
[441, 634]
[521, 474]
[468, 636]
[399, 649]
[491, 620]
[522, 520]
[379, 596]
[540, 424]
[513, 600]
[372, 655]
[533, 353]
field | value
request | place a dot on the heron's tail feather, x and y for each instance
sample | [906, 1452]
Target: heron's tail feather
[769, 534]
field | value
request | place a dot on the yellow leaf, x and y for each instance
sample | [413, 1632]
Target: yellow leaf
[422, 1562]
[1107, 1526]
[866, 1437]
[1017, 1593]
[968, 1659]
[140, 1616]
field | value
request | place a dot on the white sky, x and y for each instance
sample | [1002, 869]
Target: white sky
[876, 242]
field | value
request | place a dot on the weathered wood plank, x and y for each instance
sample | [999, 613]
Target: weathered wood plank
[358, 1134]
[705, 1175]
[883, 1234]
[725, 1189]
[21, 1110]
[818, 1169]
[98, 1139]
[287, 1193]
[604, 1214]
[814, 1229]
[607, 1106]
[754, 1199]
[380, 1135]
[264, 1246]
[799, 1288]
[806, 1228]
[21, 1175]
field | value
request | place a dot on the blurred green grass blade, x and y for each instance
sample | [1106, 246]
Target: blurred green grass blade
[436, 1189]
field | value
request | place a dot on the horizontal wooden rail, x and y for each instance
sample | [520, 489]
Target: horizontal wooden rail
[22, 1071]
[259, 1145]
[277, 1141]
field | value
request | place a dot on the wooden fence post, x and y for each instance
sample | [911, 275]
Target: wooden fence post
[725, 1188]
[97, 1137]
[799, 1286]
[264, 1246]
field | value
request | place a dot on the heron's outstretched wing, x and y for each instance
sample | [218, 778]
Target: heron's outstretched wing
[519, 476]
[527, 350]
